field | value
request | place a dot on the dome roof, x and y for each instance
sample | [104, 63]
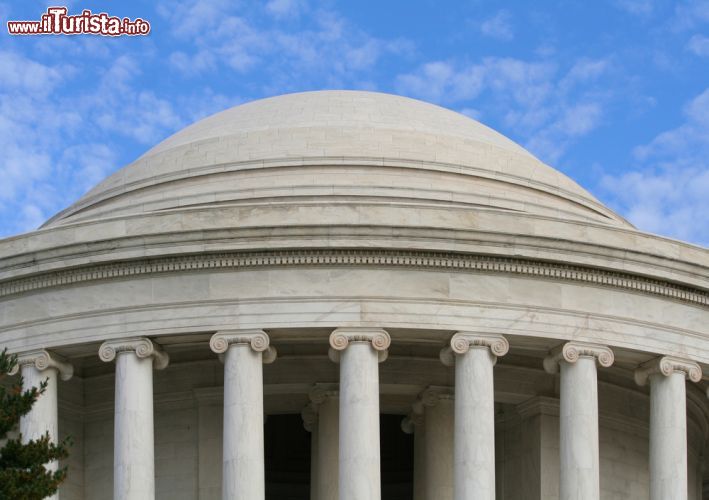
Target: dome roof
[332, 145]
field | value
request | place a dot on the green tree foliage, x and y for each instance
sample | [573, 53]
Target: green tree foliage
[22, 472]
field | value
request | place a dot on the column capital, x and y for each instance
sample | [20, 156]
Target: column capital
[322, 392]
[141, 346]
[429, 397]
[667, 365]
[572, 351]
[462, 342]
[43, 359]
[257, 339]
[340, 338]
[309, 414]
[317, 395]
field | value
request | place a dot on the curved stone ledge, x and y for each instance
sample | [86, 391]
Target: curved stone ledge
[337, 257]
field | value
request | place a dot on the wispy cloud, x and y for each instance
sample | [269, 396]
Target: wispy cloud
[690, 14]
[326, 48]
[285, 8]
[549, 107]
[699, 45]
[666, 192]
[636, 7]
[499, 26]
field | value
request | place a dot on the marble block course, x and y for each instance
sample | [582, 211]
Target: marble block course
[330, 261]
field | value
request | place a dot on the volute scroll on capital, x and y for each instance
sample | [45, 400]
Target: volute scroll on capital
[42, 360]
[257, 339]
[429, 397]
[341, 338]
[320, 393]
[571, 352]
[309, 414]
[462, 342]
[667, 365]
[141, 346]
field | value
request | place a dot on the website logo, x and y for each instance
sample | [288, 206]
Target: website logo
[57, 21]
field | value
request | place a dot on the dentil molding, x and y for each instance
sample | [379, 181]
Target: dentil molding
[345, 257]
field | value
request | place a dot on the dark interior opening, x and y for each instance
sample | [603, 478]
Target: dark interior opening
[287, 457]
[397, 458]
[287, 454]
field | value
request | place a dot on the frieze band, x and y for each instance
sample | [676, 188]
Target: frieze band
[343, 257]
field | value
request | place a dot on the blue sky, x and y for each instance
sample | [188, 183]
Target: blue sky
[615, 93]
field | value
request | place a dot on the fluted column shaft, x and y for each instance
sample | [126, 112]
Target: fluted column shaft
[328, 448]
[36, 367]
[432, 423]
[243, 455]
[474, 356]
[668, 424]
[321, 418]
[439, 444]
[578, 417]
[359, 352]
[133, 437]
[420, 460]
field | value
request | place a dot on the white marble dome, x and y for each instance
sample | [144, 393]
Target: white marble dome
[339, 144]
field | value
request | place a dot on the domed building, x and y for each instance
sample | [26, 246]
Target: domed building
[359, 296]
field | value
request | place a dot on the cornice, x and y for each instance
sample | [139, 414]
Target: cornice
[360, 257]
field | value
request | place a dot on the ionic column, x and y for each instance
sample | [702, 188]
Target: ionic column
[432, 423]
[321, 418]
[414, 423]
[578, 417]
[133, 435]
[309, 414]
[36, 367]
[668, 424]
[244, 351]
[474, 356]
[359, 351]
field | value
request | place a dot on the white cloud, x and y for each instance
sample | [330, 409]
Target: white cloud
[473, 113]
[550, 110]
[24, 75]
[689, 14]
[667, 191]
[120, 107]
[285, 8]
[329, 50]
[699, 45]
[641, 8]
[48, 135]
[499, 26]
